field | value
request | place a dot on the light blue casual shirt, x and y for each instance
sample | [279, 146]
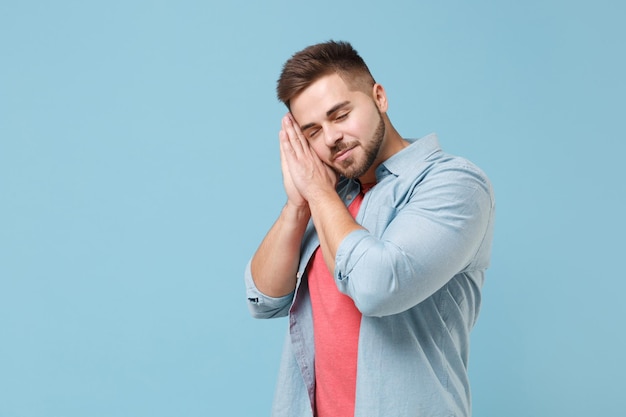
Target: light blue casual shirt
[415, 274]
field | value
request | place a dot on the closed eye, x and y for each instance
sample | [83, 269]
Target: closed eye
[312, 133]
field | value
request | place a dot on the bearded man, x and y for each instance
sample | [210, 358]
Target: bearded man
[377, 257]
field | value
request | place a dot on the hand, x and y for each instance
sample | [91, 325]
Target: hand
[293, 195]
[303, 170]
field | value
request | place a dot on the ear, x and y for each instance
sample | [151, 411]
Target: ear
[380, 97]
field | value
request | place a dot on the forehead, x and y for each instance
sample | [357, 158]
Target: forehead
[324, 93]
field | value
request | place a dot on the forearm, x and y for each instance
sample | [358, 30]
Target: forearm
[332, 222]
[275, 263]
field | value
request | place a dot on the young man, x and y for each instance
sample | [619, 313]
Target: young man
[377, 257]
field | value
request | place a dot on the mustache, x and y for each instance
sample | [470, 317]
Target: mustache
[340, 147]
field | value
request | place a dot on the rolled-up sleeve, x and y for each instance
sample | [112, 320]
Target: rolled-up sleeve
[262, 306]
[433, 235]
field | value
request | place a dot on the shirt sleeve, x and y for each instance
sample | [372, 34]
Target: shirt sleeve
[427, 241]
[262, 306]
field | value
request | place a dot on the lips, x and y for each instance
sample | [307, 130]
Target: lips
[344, 153]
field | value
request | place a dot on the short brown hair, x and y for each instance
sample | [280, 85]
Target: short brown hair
[315, 61]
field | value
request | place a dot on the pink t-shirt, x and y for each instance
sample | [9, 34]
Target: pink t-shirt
[336, 324]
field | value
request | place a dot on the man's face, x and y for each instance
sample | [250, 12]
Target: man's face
[344, 127]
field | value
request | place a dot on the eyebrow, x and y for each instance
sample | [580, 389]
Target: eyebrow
[332, 110]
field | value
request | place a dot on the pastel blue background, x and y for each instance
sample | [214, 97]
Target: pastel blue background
[139, 170]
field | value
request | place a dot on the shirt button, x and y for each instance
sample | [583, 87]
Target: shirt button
[349, 196]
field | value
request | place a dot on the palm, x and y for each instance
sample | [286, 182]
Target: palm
[293, 195]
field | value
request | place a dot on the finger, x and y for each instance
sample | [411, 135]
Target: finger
[284, 165]
[289, 157]
[285, 146]
[282, 139]
[296, 138]
[299, 134]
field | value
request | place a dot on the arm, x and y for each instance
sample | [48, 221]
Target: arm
[275, 263]
[444, 229]
[270, 275]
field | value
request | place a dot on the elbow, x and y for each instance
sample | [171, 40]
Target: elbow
[372, 307]
[395, 286]
[379, 296]
[262, 306]
[267, 310]
[382, 303]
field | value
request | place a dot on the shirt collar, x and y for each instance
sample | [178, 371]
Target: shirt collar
[418, 150]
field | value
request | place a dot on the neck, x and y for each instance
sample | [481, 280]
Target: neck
[392, 144]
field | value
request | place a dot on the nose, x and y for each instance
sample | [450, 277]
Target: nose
[332, 135]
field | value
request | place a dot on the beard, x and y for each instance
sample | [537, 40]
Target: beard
[350, 167]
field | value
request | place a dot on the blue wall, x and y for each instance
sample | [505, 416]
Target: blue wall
[139, 170]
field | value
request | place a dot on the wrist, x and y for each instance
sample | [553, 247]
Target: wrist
[322, 195]
[296, 212]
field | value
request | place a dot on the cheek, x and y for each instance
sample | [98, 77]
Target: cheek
[360, 127]
[320, 150]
